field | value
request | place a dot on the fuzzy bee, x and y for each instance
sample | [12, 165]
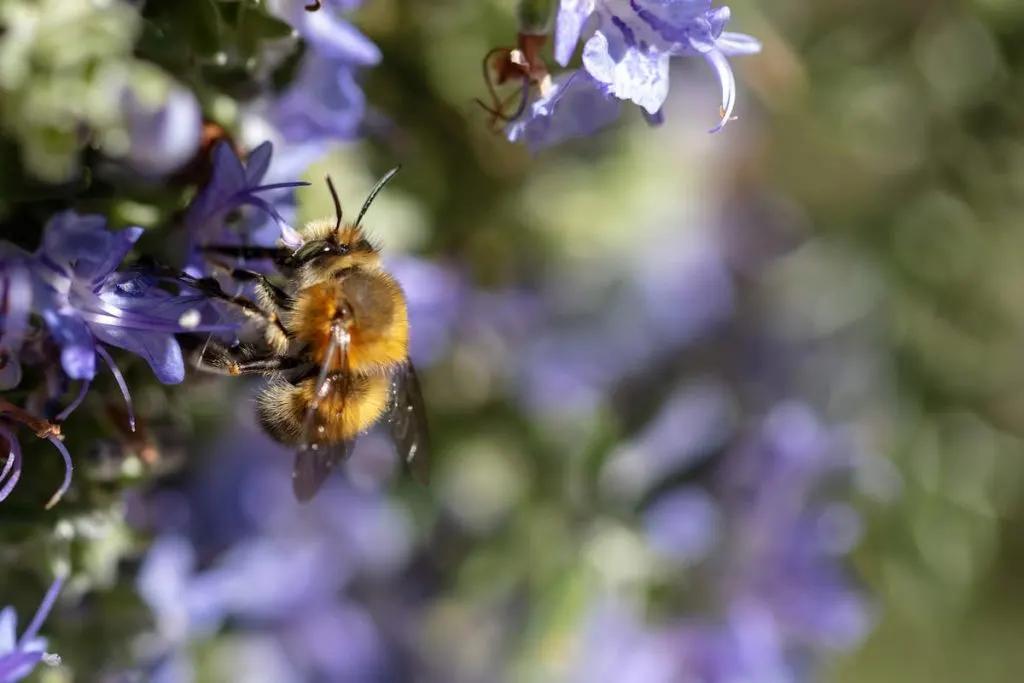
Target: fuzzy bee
[336, 348]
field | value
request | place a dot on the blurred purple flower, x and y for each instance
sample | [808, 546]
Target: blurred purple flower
[231, 186]
[747, 645]
[325, 102]
[435, 294]
[576, 106]
[284, 570]
[185, 606]
[629, 43]
[787, 545]
[616, 646]
[165, 136]
[771, 547]
[331, 37]
[19, 656]
[15, 307]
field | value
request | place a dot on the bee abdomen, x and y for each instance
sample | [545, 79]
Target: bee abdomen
[279, 411]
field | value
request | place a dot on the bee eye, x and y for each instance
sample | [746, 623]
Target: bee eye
[312, 250]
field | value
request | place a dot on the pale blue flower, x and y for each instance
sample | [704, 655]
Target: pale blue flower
[628, 45]
[576, 106]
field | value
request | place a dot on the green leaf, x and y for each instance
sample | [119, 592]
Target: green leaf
[200, 23]
[256, 26]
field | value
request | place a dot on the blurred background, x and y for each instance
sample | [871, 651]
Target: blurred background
[704, 408]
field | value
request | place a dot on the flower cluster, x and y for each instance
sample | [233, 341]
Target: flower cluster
[627, 48]
[78, 295]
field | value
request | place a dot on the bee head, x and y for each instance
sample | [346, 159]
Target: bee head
[336, 247]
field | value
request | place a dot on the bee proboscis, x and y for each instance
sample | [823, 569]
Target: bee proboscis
[336, 347]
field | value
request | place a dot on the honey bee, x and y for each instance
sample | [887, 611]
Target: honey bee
[336, 348]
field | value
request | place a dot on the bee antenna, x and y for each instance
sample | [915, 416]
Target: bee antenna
[376, 189]
[337, 202]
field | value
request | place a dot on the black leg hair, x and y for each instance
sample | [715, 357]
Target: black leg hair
[240, 360]
[212, 288]
[279, 255]
[271, 292]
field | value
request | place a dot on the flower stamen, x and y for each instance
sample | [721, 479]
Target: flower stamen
[121, 383]
[68, 468]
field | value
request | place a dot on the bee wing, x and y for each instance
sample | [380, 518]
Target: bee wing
[316, 458]
[408, 420]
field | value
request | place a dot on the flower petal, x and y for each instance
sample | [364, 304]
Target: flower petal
[568, 25]
[577, 106]
[78, 350]
[17, 665]
[69, 237]
[159, 349]
[257, 163]
[163, 137]
[629, 72]
[103, 264]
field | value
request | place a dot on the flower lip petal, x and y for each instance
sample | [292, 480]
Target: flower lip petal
[78, 351]
[160, 350]
[628, 72]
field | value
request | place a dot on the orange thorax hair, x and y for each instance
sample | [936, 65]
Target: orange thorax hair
[372, 307]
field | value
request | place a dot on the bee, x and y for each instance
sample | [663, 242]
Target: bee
[336, 346]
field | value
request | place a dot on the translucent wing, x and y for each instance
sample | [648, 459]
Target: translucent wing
[408, 420]
[317, 457]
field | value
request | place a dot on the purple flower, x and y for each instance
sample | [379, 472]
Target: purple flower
[232, 185]
[15, 307]
[629, 43]
[325, 102]
[328, 34]
[162, 137]
[19, 656]
[435, 295]
[86, 303]
[576, 106]
[267, 573]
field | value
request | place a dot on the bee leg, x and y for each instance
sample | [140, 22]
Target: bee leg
[277, 333]
[222, 360]
[269, 294]
[279, 255]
